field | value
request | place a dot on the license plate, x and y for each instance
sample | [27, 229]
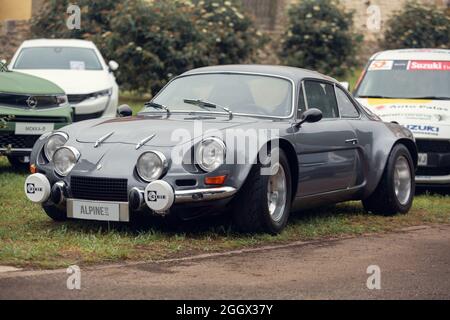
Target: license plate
[92, 210]
[423, 159]
[33, 128]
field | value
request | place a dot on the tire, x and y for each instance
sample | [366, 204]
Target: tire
[54, 213]
[251, 208]
[385, 200]
[18, 164]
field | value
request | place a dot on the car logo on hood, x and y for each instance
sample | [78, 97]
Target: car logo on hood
[32, 102]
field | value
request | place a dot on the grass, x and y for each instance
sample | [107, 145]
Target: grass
[28, 238]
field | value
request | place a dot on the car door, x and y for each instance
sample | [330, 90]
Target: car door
[325, 149]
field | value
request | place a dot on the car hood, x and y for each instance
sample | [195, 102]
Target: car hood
[164, 132]
[75, 81]
[425, 118]
[20, 83]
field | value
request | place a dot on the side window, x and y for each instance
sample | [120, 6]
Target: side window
[346, 107]
[321, 96]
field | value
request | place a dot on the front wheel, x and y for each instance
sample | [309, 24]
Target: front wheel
[264, 201]
[395, 192]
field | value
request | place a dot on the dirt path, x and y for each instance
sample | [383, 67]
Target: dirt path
[414, 264]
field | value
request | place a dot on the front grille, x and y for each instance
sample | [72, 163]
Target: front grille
[433, 146]
[82, 117]
[430, 171]
[18, 141]
[20, 101]
[102, 189]
[77, 98]
[34, 119]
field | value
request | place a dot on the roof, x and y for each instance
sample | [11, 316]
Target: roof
[58, 42]
[295, 74]
[413, 54]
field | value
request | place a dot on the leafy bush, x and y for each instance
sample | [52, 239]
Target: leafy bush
[156, 40]
[418, 26]
[320, 37]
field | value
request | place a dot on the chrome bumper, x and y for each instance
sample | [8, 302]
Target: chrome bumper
[197, 195]
[433, 180]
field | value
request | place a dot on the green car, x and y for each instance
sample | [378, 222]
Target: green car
[29, 107]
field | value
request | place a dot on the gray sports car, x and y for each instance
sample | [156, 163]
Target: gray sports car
[255, 141]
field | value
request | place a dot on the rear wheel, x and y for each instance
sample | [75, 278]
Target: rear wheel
[395, 191]
[55, 213]
[264, 201]
[19, 163]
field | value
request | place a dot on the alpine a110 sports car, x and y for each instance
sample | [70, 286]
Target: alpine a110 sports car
[255, 141]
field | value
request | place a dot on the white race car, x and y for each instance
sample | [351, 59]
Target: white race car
[78, 68]
[412, 87]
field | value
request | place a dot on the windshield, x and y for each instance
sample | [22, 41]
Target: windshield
[249, 94]
[58, 58]
[406, 79]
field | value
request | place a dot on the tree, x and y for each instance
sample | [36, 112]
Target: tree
[320, 36]
[417, 26]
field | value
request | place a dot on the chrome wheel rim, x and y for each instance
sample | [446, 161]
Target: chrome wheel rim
[402, 180]
[276, 194]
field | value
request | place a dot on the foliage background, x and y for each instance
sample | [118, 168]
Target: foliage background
[155, 40]
[418, 26]
[320, 36]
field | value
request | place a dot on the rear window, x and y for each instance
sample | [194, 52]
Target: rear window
[58, 58]
[406, 79]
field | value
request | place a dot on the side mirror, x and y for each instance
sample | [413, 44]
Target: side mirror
[346, 85]
[310, 116]
[113, 66]
[124, 111]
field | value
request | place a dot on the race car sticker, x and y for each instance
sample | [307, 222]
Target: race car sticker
[381, 65]
[424, 129]
[429, 65]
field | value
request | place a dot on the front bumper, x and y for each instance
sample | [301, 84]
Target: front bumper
[433, 180]
[436, 171]
[60, 194]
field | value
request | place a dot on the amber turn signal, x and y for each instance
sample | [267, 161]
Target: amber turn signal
[33, 168]
[215, 180]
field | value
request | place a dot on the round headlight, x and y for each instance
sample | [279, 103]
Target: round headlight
[65, 159]
[210, 154]
[151, 165]
[55, 141]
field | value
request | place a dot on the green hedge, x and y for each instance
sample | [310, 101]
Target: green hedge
[418, 26]
[156, 40]
[320, 36]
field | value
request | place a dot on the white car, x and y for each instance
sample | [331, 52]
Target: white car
[78, 68]
[412, 87]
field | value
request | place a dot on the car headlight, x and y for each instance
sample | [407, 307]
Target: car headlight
[101, 93]
[151, 165]
[62, 99]
[210, 154]
[56, 140]
[65, 159]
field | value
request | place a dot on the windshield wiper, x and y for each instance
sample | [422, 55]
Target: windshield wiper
[208, 105]
[3, 67]
[430, 98]
[157, 106]
[375, 97]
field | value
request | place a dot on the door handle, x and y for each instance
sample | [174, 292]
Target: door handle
[352, 141]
